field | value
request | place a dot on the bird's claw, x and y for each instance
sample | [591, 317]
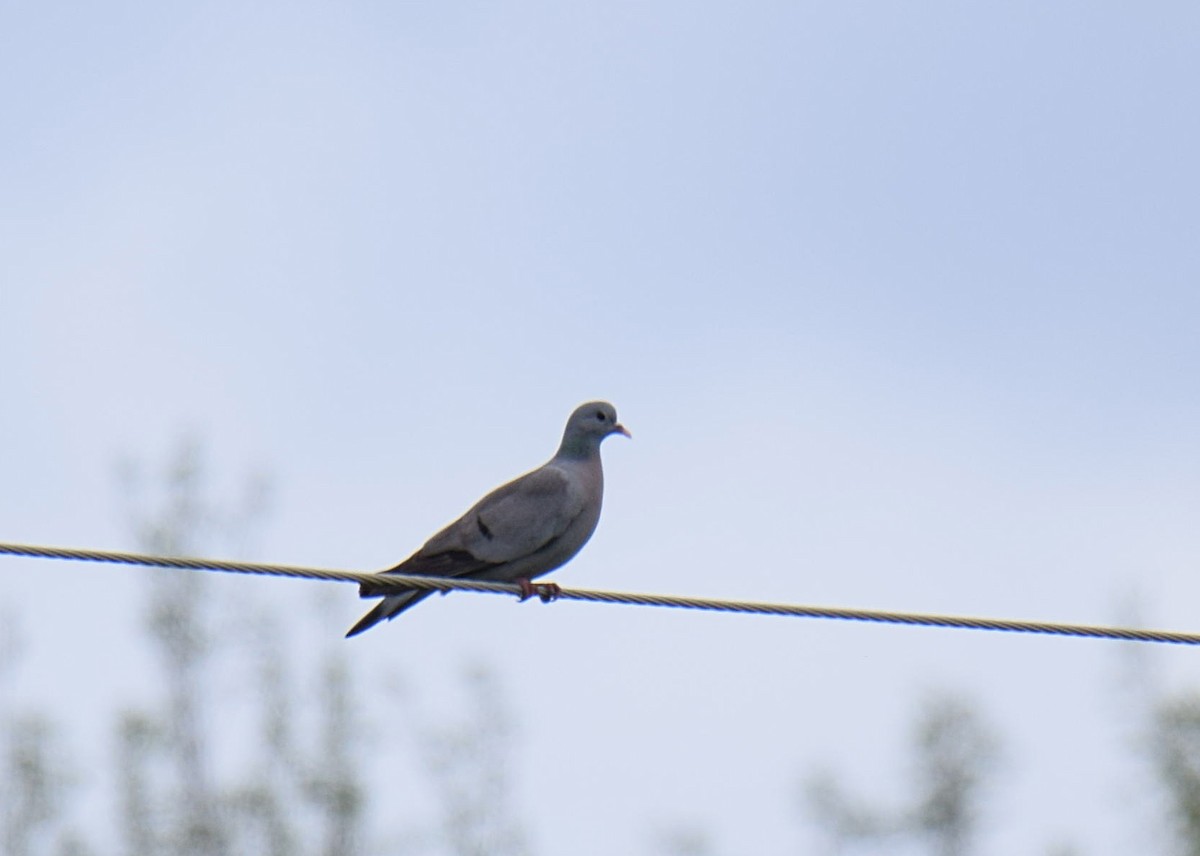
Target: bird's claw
[545, 592]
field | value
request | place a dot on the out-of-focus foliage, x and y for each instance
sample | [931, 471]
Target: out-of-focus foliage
[300, 789]
[469, 762]
[954, 752]
[1176, 753]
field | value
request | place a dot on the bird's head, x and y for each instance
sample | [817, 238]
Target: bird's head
[589, 424]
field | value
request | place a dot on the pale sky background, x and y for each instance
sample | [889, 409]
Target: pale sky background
[900, 301]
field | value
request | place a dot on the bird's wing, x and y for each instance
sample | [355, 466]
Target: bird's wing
[515, 520]
[512, 522]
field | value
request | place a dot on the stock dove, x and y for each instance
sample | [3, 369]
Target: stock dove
[523, 529]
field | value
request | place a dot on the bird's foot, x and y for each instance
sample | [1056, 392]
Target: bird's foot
[546, 592]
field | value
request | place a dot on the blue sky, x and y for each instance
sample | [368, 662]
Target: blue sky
[900, 303]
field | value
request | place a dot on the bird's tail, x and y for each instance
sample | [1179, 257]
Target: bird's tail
[388, 608]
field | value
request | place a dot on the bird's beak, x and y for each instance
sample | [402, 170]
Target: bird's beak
[622, 430]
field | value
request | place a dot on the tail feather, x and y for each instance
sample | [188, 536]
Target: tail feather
[388, 608]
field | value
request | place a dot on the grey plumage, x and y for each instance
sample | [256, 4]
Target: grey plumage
[522, 529]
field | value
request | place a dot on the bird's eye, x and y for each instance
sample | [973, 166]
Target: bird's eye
[601, 416]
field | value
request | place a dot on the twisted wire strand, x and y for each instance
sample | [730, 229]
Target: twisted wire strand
[377, 584]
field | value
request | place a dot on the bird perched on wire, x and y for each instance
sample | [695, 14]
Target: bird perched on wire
[523, 529]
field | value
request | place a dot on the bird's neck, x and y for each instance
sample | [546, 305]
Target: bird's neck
[577, 449]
